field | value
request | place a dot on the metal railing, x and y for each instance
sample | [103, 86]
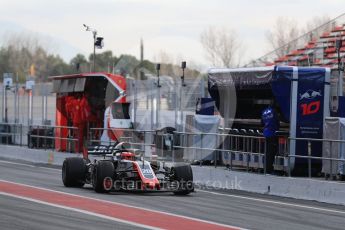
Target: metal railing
[241, 150]
[141, 140]
[39, 136]
[130, 136]
[252, 146]
[11, 133]
[246, 151]
[324, 160]
[237, 148]
[45, 136]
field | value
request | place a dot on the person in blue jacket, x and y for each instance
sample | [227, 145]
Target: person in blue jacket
[270, 121]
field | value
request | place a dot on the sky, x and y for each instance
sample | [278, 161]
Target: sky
[173, 27]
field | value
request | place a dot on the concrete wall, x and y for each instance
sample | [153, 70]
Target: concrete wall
[299, 188]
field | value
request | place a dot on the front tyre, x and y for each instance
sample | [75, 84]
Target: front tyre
[73, 172]
[102, 179]
[182, 174]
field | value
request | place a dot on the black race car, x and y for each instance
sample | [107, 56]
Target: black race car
[121, 168]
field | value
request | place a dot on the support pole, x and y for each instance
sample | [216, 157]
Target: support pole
[338, 45]
[6, 107]
[30, 109]
[16, 101]
[183, 66]
[158, 97]
[94, 49]
[135, 101]
[3, 103]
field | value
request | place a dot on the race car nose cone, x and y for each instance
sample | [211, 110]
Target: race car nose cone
[150, 185]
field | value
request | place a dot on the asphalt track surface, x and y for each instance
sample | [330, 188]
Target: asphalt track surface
[18, 214]
[236, 209]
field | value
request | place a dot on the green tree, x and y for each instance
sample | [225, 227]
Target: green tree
[127, 65]
[19, 59]
[79, 64]
[104, 61]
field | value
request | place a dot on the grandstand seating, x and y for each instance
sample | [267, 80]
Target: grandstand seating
[317, 52]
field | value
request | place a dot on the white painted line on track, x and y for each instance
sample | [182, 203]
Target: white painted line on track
[29, 165]
[15, 163]
[80, 211]
[126, 205]
[274, 202]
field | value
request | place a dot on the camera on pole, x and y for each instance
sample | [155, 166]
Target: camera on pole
[99, 43]
[8, 80]
[158, 67]
[183, 66]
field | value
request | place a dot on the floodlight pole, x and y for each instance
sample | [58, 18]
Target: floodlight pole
[340, 69]
[3, 103]
[158, 100]
[30, 107]
[16, 101]
[183, 66]
[158, 67]
[6, 108]
[94, 33]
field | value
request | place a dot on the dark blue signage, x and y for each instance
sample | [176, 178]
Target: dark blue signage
[308, 106]
[310, 109]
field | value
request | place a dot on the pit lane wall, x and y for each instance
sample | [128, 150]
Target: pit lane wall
[216, 178]
[298, 188]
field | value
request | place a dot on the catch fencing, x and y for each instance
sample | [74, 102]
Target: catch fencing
[235, 149]
[156, 106]
[39, 136]
[33, 107]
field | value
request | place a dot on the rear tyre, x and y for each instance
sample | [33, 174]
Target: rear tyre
[183, 175]
[73, 172]
[102, 174]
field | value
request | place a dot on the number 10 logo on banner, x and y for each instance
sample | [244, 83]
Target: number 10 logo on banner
[310, 108]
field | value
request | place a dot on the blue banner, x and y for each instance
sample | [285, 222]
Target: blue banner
[310, 108]
[307, 113]
[311, 85]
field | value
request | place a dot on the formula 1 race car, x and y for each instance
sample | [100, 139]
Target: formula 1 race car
[122, 169]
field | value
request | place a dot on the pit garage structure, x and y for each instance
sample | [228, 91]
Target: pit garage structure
[89, 100]
[301, 95]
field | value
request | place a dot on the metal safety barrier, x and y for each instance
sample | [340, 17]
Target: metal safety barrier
[238, 148]
[11, 134]
[38, 136]
[325, 160]
[44, 136]
[235, 149]
[140, 140]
